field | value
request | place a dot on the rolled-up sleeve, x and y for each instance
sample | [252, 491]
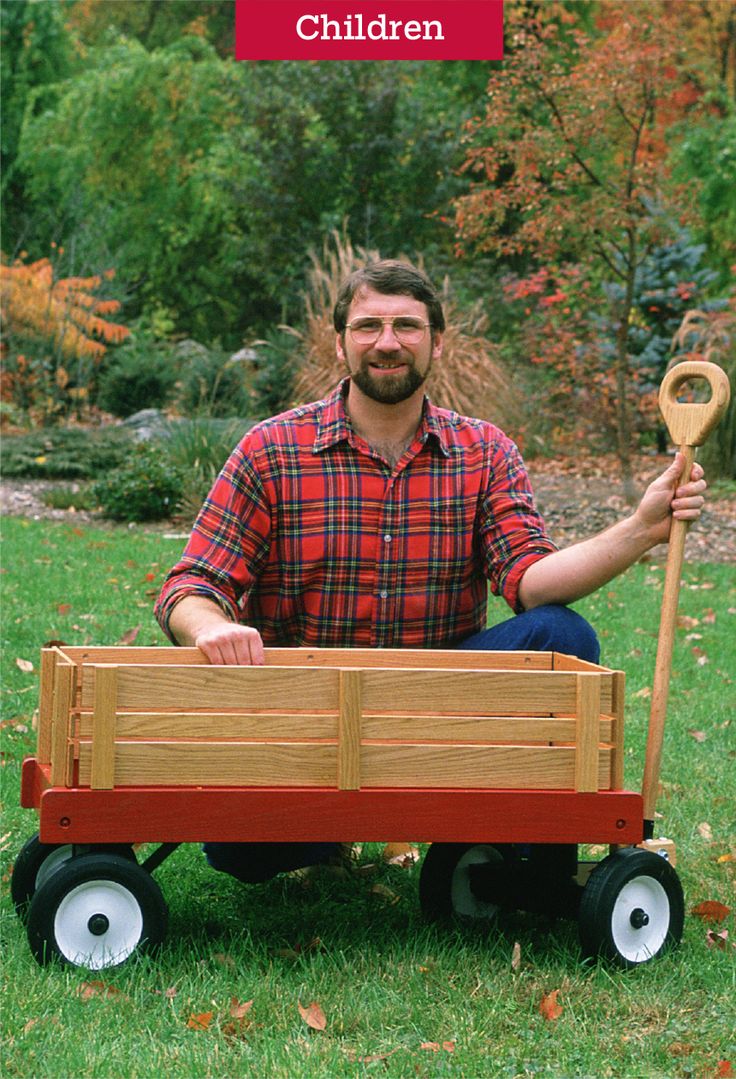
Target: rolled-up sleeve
[512, 531]
[228, 545]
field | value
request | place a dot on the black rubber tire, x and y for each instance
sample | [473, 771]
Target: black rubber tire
[632, 908]
[445, 884]
[32, 866]
[96, 911]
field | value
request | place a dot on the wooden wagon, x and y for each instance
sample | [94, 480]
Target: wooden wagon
[504, 762]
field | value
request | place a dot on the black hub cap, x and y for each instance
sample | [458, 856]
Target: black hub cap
[638, 918]
[98, 925]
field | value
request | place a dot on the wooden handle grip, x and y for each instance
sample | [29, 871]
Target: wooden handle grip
[690, 423]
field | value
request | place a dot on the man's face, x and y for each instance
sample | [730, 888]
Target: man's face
[388, 370]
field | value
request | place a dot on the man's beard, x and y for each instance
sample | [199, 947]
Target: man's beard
[389, 389]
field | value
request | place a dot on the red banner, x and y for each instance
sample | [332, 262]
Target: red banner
[347, 30]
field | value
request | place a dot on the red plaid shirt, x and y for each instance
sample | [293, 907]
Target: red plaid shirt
[313, 538]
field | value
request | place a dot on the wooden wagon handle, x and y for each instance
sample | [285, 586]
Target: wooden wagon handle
[689, 425]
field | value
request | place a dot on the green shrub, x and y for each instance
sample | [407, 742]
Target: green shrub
[273, 383]
[65, 452]
[140, 375]
[146, 488]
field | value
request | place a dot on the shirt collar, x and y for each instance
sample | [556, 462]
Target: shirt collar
[334, 425]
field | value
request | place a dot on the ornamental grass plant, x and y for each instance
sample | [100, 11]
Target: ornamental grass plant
[470, 378]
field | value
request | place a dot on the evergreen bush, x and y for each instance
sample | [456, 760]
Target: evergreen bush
[146, 488]
[65, 452]
[139, 375]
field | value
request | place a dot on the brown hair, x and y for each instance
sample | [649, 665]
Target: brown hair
[392, 278]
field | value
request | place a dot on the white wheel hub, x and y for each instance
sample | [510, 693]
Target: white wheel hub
[464, 902]
[640, 919]
[98, 924]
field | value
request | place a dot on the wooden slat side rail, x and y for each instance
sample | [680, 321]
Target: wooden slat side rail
[142, 687]
[327, 657]
[587, 769]
[617, 735]
[444, 728]
[473, 767]
[474, 692]
[102, 772]
[65, 678]
[217, 726]
[46, 705]
[562, 662]
[227, 764]
[218, 764]
[349, 727]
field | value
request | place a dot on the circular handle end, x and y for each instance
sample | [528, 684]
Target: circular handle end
[689, 424]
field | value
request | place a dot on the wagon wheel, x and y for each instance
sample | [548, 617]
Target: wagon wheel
[632, 908]
[95, 911]
[36, 862]
[469, 880]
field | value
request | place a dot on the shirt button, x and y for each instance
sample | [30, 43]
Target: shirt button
[387, 538]
[384, 594]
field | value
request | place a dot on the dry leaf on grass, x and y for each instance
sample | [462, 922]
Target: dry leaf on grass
[386, 893]
[130, 635]
[200, 1021]
[549, 1007]
[516, 956]
[434, 1047]
[705, 830]
[87, 990]
[401, 854]
[699, 736]
[718, 940]
[25, 665]
[711, 911]
[313, 1015]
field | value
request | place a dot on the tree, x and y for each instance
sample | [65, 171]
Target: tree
[571, 153]
[50, 326]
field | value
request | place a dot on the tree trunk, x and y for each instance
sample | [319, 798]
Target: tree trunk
[623, 419]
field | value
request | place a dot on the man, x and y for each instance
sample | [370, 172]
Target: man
[375, 519]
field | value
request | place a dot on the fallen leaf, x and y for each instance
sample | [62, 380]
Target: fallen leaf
[449, 1047]
[684, 621]
[150, 577]
[130, 636]
[645, 691]
[224, 960]
[238, 1010]
[711, 911]
[725, 858]
[313, 1016]
[200, 1021]
[170, 993]
[516, 956]
[87, 990]
[680, 1049]
[718, 940]
[25, 665]
[705, 830]
[700, 655]
[401, 854]
[369, 1059]
[699, 736]
[433, 1047]
[709, 616]
[724, 1070]
[549, 1007]
[63, 608]
[386, 893]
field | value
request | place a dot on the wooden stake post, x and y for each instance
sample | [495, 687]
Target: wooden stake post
[689, 425]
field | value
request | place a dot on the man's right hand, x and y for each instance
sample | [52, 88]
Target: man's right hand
[229, 643]
[198, 621]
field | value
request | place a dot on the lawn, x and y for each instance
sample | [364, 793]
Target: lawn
[399, 998]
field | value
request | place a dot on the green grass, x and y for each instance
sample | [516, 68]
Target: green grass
[386, 981]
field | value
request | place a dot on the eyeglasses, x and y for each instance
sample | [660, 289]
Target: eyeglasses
[407, 329]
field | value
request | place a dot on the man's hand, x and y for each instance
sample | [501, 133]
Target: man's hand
[230, 643]
[667, 497]
[198, 621]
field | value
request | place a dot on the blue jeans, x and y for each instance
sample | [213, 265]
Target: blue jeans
[542, 629]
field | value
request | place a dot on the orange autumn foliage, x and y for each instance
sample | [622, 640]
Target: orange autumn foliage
[63, 312]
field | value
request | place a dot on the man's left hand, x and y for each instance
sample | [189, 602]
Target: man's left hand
[669, 497]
